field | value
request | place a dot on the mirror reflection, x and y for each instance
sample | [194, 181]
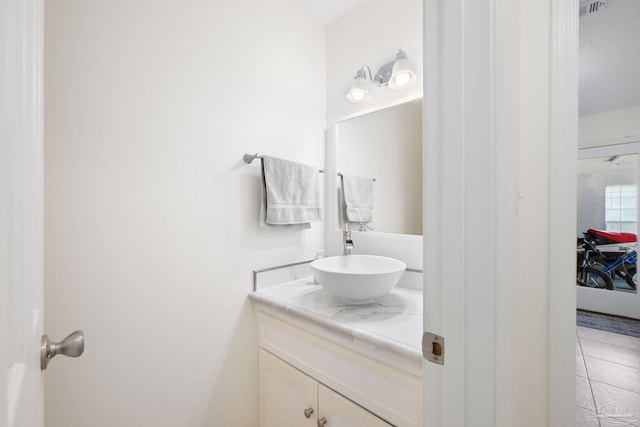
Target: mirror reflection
[386, 145]
[607, 222]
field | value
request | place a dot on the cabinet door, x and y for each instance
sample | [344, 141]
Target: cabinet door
[338, 411]
[287, 396]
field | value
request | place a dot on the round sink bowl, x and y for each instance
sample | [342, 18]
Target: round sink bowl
[358, 277]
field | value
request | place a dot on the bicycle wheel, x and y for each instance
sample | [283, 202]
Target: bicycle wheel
[594, 278]
[631, 278]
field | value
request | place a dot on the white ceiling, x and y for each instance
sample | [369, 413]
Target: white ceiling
[609, 51]
[610, 57]
[327, 11]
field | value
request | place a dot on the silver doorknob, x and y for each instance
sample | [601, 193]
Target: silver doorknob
[72, 346]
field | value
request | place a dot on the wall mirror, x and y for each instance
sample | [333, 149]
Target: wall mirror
[608, 213]
[386, 145]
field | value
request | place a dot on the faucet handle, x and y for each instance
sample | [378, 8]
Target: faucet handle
[347, 243]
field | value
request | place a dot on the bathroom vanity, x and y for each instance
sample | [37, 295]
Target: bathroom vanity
[328, 361]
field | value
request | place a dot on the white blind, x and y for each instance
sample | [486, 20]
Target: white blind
[621, 207]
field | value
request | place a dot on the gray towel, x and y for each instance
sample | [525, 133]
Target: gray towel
[292, 193]
[357, 193]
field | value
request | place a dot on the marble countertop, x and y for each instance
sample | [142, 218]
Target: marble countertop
[392, 324]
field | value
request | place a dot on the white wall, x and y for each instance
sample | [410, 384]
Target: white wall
[151, 217]
[611, 127]
[371, 34]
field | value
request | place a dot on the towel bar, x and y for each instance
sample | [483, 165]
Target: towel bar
[340, 175]
[248, 158]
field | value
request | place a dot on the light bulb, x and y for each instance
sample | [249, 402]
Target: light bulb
[359, 92]
[401, 74]
[358, 95]
[402, 79]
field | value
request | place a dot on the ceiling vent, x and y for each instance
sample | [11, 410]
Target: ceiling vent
[592, 6]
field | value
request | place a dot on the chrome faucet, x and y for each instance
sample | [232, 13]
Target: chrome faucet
[347, 243]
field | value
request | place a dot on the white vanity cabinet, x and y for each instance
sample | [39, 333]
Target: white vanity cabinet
[290, 398]
[334, 375]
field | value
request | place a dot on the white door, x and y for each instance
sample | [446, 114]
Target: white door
[500, 126]
[608, 200]
[21, 213]
[461, 221]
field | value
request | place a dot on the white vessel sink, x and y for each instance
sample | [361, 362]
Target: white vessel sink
[358, 277]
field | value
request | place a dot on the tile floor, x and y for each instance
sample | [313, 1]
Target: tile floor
[607, 379]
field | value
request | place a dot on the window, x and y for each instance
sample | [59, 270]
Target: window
[621, 208]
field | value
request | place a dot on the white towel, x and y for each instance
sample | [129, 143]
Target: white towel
[357, 193]
[292, 193]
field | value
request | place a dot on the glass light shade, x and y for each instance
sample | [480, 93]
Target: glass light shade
[401, 75]
[359, 92]
[358, 95]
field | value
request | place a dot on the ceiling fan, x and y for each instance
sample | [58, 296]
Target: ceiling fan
[591, 6]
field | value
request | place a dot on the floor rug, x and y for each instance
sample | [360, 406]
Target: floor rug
[605, 322]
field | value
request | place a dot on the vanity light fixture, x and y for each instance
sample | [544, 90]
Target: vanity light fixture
[359, 91]
[397, 74]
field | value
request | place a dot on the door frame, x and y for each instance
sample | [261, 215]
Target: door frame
[474, 323]
[565, 26]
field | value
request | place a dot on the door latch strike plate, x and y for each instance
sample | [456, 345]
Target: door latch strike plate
[433, 348]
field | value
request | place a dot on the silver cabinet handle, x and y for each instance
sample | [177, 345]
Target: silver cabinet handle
[72, 346]
[308, 412]
[322, 421]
